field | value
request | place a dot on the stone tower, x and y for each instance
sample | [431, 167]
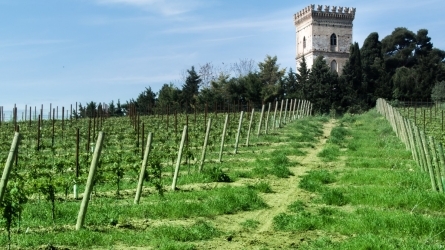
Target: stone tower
[324, 31]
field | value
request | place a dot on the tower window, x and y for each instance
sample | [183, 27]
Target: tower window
[334, 39]
[334, 66]
[304, 42]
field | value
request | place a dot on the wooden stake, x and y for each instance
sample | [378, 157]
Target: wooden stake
[428, 160]
[8, 165]
[223, 137]
[143, 167]
[250, 126]
[178, 161]
[90, 182]
[267, 119]
[275, 115]
[239, 131]
[204, 147]
[281, 111]
[261, 120]
[435, 164]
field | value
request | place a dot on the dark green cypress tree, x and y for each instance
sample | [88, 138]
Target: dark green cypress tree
[302, 79]
[190, 89]
[347, 100]
[371, 54]
[291, 87]
[145, 99]
[353, 92]
[355, 72]
[253, 85]
[322, 84]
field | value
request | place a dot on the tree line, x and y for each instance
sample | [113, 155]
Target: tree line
[404, 65]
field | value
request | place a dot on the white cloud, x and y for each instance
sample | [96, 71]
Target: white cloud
[165, 7]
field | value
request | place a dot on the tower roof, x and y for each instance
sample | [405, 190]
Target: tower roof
[327, 12]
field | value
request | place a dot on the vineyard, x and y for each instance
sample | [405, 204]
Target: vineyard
[51, 164]
[255, 179]
[427, 116]
[424, 144]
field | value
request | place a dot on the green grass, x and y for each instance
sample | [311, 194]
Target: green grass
[160, 237]
[296, 206]
[337, 140]
[329, 153]
[173, 205]
[278, 164]
[308, 130]
[334, 197]
[106, 214]
[296, 222]
[262, 187]
[387, 225]
[313, 181]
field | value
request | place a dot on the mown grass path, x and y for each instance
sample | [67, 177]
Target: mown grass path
[285, 192]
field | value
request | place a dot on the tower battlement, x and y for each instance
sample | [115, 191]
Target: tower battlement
[327, 11]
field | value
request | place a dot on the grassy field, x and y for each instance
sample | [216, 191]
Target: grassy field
[372, 196]
[314, 184]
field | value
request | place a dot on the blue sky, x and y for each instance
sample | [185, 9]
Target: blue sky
[63, 51]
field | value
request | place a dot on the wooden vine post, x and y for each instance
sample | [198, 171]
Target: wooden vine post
[223, 137]
[285, 111]
[266, 127]
[297, 116]
[281, 112]
[239, 131]
[250, 126]
[178, 161]
[261, 120]
[143, 167]
[435, 165]
[53, 122]
[142, 138]
[428, 160]
[38, 133]
[275, 115]
[291, 105]
[204, 147]
[89, 185]
[8, 165]
[75, 191]
[442, 163]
